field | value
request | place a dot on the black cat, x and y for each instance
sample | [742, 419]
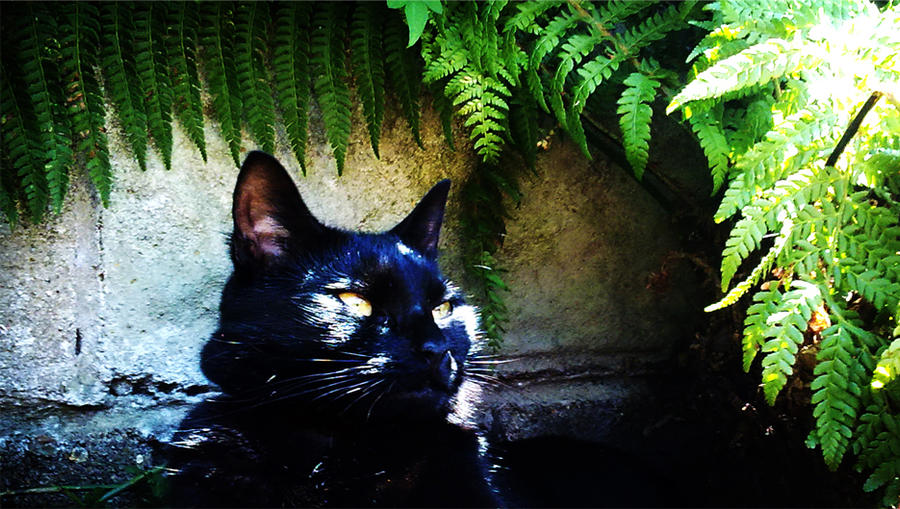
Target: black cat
[347, 362]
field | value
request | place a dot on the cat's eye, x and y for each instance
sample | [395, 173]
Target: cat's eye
[356, 304]
[442, 311]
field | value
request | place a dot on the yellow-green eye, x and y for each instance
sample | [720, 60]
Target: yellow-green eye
[356, 304]
[442, 311]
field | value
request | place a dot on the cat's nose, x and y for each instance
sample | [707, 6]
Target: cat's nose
[444, 369]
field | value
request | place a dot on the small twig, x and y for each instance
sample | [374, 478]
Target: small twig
[852, 128]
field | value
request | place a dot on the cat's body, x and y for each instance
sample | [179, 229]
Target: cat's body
[346, 362]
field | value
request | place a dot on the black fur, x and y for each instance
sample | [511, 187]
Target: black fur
[322, 405]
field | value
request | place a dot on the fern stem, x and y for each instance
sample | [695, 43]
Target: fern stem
[852, 128]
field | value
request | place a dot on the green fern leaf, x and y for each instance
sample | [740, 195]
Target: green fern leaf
[121, 82]
[653, 28]
[290, 63]
[635, 115]
[775, 157]
[21, 148]
[765, 304]
[888, 368]
[404, 72]
[708, 128]
[330, 83]
[40, 52]
[744, 239]
[182, 56]
[836, 393]
[217, 38]
[368, 65]
[80, 41]
[785, 335]
[523, 126]
[150, 65]
[445, 111]
[755, 65]
[252, 76]
[529, 12]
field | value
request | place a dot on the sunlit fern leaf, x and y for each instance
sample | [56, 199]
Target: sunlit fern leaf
[182, 40]
[217, 38]
[150, 65]
[888, 368]
[755, 65]
[763, 267]
[635, 116]
[708, 128]
[836, 393]
[368, 64]
[120, 78]
[404, 72]
[743, 240]
[39, 50]
[765, 303]
[251, 75]
[290, 63]
[785, 335]
[80, 39]
[811, 129]
[330, 83]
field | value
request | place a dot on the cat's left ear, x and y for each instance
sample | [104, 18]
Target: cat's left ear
[422, 227]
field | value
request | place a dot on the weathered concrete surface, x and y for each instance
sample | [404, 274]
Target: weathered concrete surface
[103, 311]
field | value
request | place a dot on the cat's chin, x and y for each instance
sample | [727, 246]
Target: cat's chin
[424, 403]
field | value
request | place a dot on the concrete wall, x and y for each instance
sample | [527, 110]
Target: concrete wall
[103, 311]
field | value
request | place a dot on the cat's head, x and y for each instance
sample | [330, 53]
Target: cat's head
[338, 322]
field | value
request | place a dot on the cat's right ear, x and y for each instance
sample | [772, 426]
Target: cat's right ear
[270, 218]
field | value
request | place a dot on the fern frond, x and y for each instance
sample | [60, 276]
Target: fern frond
[785, 335]
[121, 82]
[743, 239]
[290, 63]
[150, 65]
[755, 65]
[404, 71]
[635, 115]
[888, 368]
[217, 40]
[836, 393]
[252, 76]
[21, 149]
[40, 51]
[654, 28]
[181, 49]
[764, 265]
[877, 442]
[708, 128]
[526, 19]
[765, 304]
[330, 83]
[445, 111]
[79, 49]
[368, 65]
[771, 159]
[523, 126]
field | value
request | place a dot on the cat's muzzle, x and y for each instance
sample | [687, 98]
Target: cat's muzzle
[445, 370]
